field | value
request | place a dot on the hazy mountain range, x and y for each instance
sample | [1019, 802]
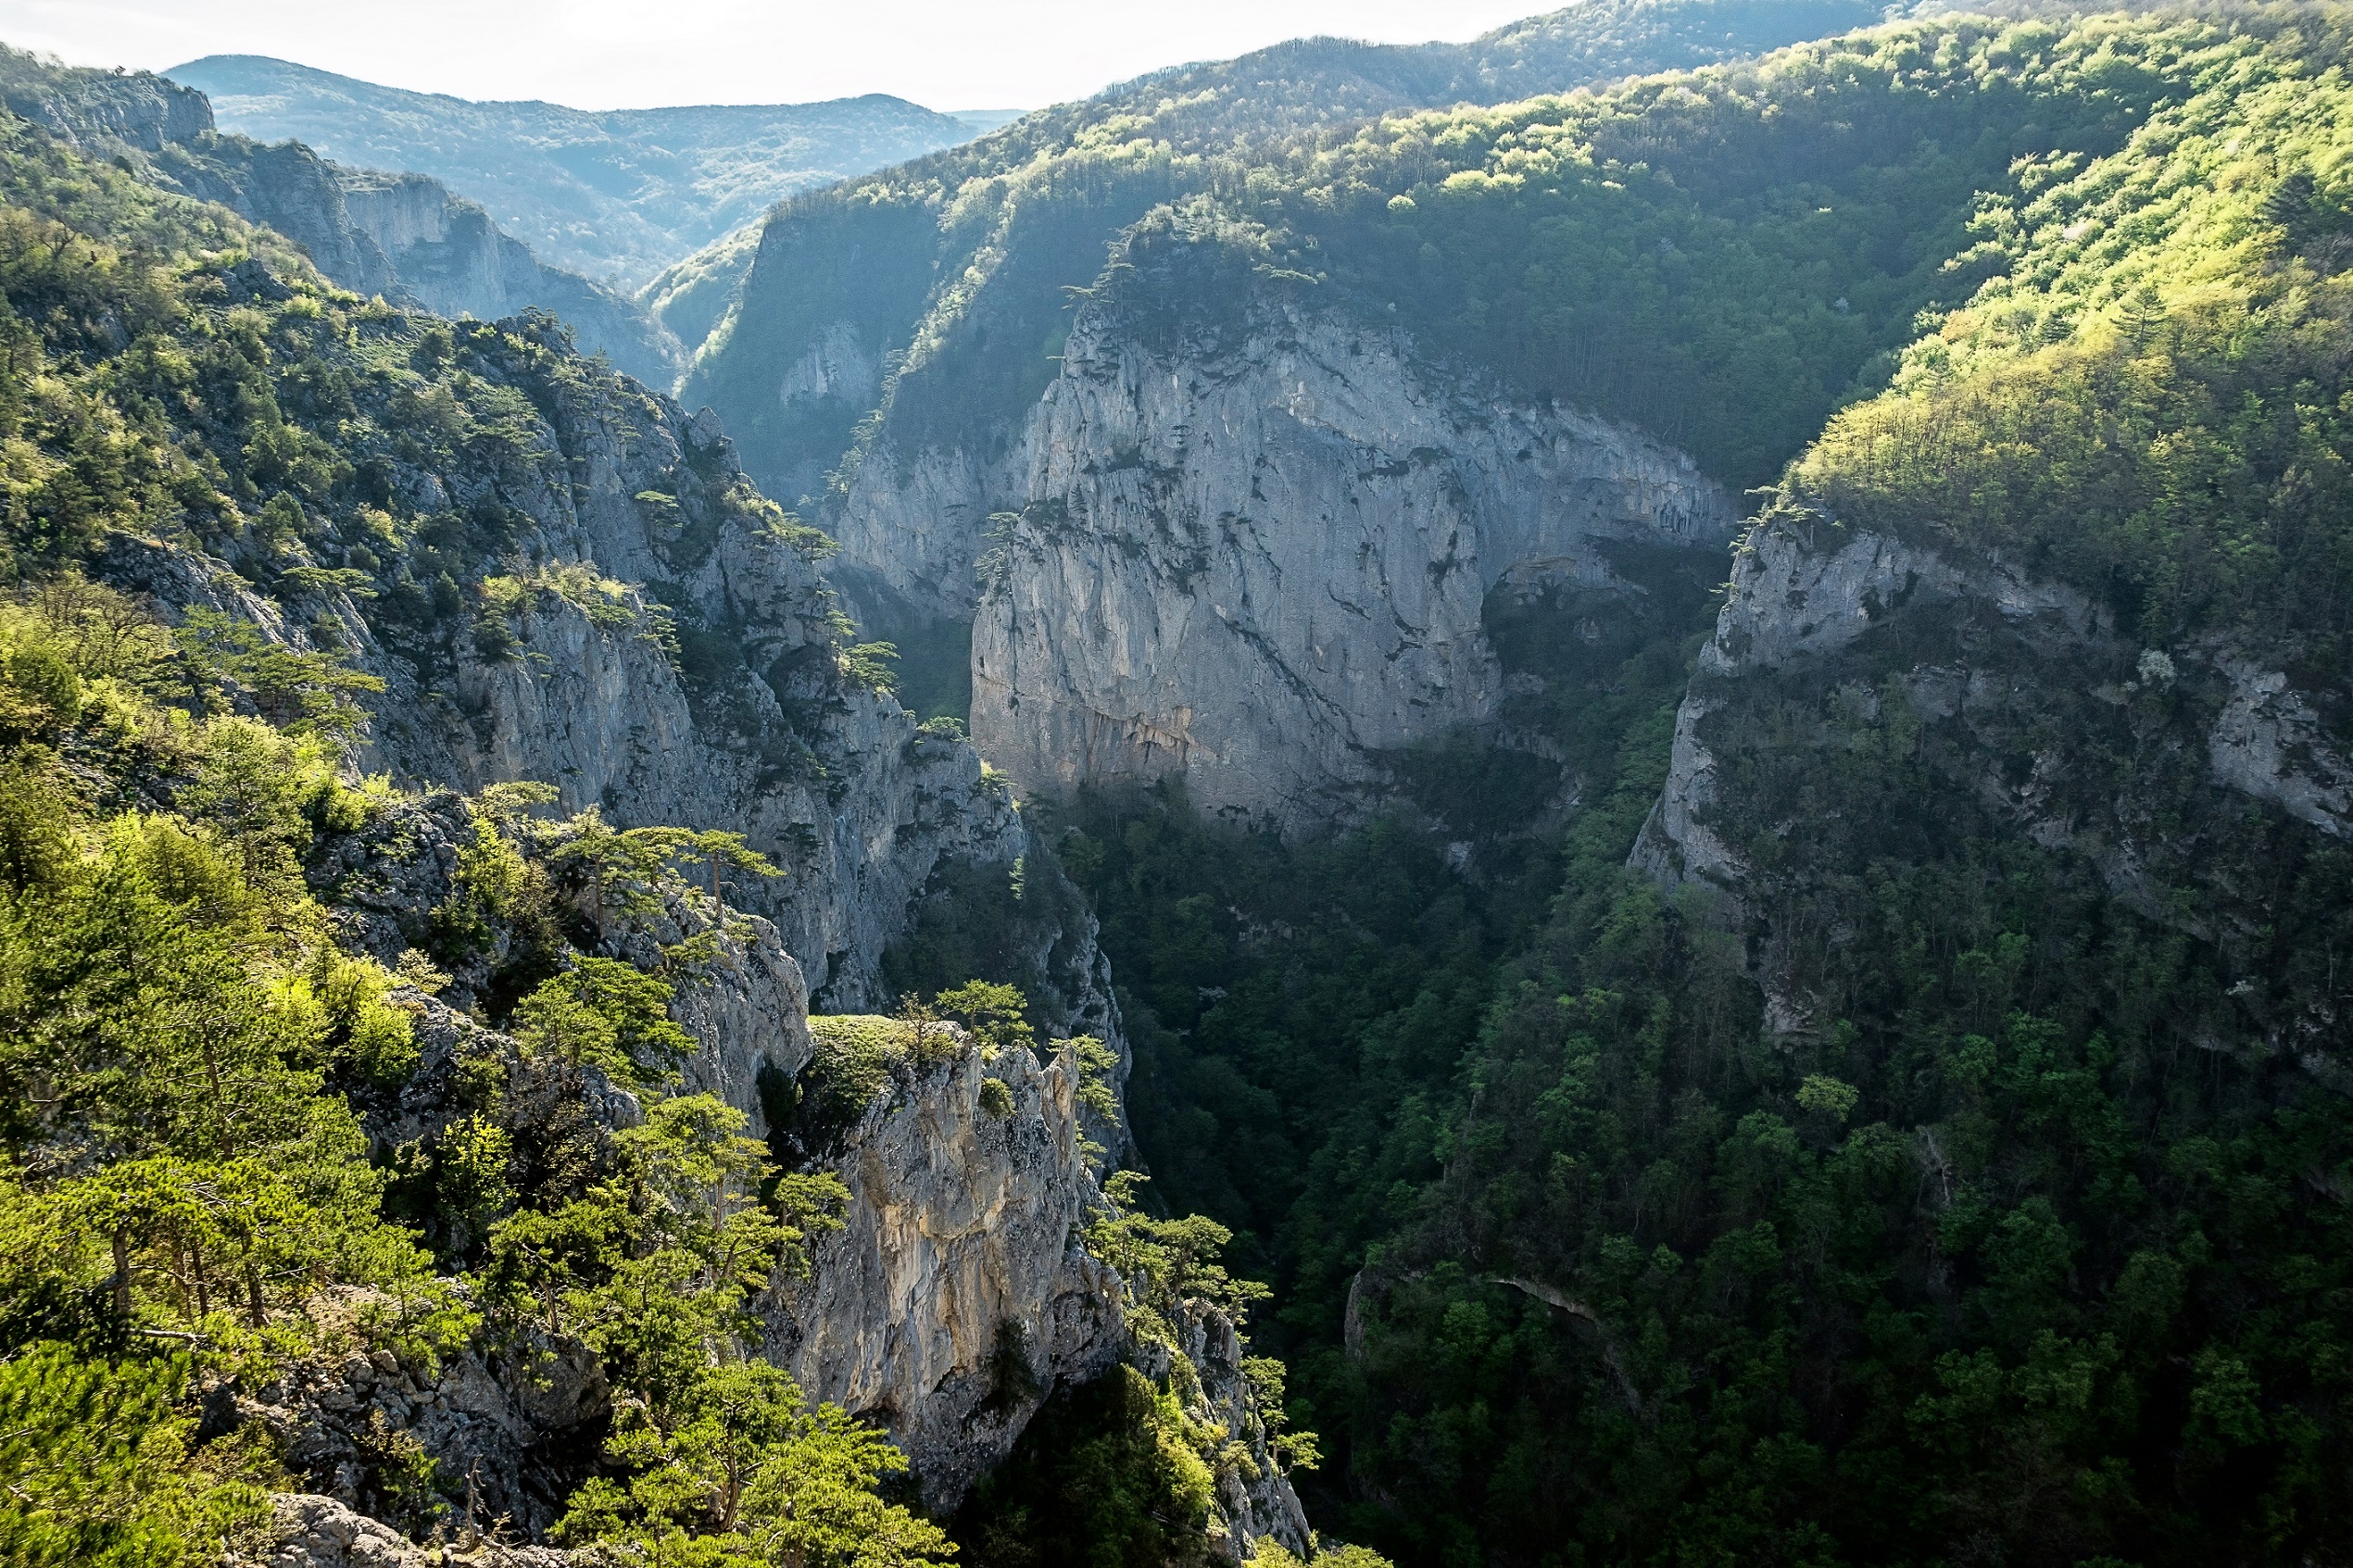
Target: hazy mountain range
[615, 194]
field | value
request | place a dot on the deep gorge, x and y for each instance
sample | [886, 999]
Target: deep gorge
[1573, 798]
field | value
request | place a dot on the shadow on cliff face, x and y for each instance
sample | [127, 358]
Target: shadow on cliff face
[1572, 655]
[1091, 1483]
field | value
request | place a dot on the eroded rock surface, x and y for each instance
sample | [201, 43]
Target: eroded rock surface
[311, 1531]
[1247, 538]
[1255, 1499]
[956, 1297]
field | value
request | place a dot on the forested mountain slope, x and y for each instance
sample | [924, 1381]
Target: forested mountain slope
[1717, 261]
[949, 273]
[1841, 1065]
[405, 237]
[385, 1164]
[616, 195]
[1901, 1115]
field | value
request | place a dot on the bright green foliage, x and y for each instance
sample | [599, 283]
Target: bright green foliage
[302, 693]
[744, 1474]
[180, 1171]
[183, 1048]
[171, 1007]
[1166, 1262]
[650, 1265]
[2170, 344]
[1096, 1062]
[873, 666]
[856, 1056]
[991, 1013]
[95, 1470]
[1717, 256]
[603, 1013]
[172, 1170]
[631, 870]
[1267, 1552]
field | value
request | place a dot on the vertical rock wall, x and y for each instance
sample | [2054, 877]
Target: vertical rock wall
[1257, 558]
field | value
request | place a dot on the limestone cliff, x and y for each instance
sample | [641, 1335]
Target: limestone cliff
[957, 1296]
[137, 108]
[450, 258]
[1255, 1499]
[753, 725]
[657, 642]
[407, 238]
[1802, 599]
[1256, 535]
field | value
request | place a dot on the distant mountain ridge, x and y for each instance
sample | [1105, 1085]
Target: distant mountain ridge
[404, 236]
[889, 334]
[615, 194]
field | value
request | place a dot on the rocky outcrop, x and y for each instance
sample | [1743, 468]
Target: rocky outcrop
[2268, 742]
[614, 489]
[1247, 538]
[406, 237]
[2184, 783]
[1255, 546]
[725, 704]
[138, 108]
[450, 258]
[310, 1531]
[1255, 1499]
[957, 1297]
[509, 1431]
[1804, 592]
[830, 780]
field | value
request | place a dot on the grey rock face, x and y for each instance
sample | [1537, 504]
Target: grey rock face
[2267, 742]
[311, 1531]
[831, 781]
[1676, 845]
[1802, 596]
[956, 1298]
[840, 791]
[748, 1009]
[287, 188]
[511, 1431]
[1260, 562]
[838, 364]
[404, 236]
[138, 108]
[913, 524]
[1251, 548]
[449, 257]
[1255, 1501]
[964, 1221]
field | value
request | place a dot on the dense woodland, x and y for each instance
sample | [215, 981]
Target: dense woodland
[2029, 1250]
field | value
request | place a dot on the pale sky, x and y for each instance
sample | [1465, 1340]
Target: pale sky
[635, 54]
